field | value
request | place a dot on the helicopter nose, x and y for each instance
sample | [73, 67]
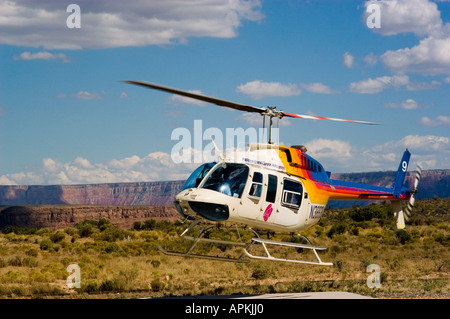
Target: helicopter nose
[210, 211]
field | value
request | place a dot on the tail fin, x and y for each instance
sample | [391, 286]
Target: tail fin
[401, 174]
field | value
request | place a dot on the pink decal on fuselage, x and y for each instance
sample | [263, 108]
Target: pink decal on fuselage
[267, 212]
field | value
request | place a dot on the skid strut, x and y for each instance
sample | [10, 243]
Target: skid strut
[265, 242]
[199, 239]
[246, 248]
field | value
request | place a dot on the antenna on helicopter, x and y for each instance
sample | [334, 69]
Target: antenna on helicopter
[269, 111]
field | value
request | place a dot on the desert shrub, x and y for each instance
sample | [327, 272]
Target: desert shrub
[157, 285]
[441, 238]
[32, 252]
[112, 248]
[112, 234]
[137, 225]
[107, 285]
[337, 229]
[89, 286]
[57, 236]
[20, 230]
[366, 213]
[44, 231]
[403, 236]
[340, 265]
[149, 224]
[261, 271]
[85, 229]
[46, 244]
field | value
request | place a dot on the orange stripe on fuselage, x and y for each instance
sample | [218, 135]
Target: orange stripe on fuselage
[320, 192]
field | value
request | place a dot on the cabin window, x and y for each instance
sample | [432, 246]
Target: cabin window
[288, 156]
[228, 178]
[257, 183]
[272, 189]
[197, 176]
[292, 193]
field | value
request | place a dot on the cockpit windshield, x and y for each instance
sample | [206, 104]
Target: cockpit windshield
[197, 176]
[227, 178]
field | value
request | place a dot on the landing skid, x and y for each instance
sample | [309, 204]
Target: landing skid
[268, 256]
[255, 241]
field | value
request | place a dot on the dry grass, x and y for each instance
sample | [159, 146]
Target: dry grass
[127, 264]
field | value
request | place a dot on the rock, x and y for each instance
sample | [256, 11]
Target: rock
[122, 194]
[63, 216]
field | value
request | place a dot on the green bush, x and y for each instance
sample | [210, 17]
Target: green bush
[46, 244]
[337, 229]
[112, 234]
[366, 213]
[157, 285]
[403, 236]
[20, 230]
[261, 271]
[57, 237]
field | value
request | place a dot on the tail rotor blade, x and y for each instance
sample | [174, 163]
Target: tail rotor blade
[418, 174]
[412, 199]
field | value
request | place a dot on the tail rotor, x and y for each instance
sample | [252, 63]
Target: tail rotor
[412, 199]
[402, 217]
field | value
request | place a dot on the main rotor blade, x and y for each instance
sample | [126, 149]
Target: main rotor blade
[237, 106]
[312, 117]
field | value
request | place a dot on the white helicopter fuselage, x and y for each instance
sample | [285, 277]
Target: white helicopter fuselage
[249, 191]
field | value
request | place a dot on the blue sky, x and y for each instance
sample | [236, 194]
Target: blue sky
[66, 117]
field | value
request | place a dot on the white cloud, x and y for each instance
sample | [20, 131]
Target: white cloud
[339, 156]
[108, 24]
[153, 167]
[27, 56]
[123, 95]
[440, 120]
[348, 60]
[408, 104]
[332, 149]
[318, 87]
[421, 17]
[371, 86]
[259, 89]
[336, 156]
[84, 95]
[371, 59]
[430, 57]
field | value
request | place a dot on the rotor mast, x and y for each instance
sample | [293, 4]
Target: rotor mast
[271, 112]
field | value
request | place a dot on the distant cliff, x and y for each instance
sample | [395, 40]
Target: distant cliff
[432, 182]
[122, 194]
[63, 216]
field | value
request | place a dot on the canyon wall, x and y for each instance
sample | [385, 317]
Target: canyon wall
[63, 216]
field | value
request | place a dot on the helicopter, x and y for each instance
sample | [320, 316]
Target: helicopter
[271, 188]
